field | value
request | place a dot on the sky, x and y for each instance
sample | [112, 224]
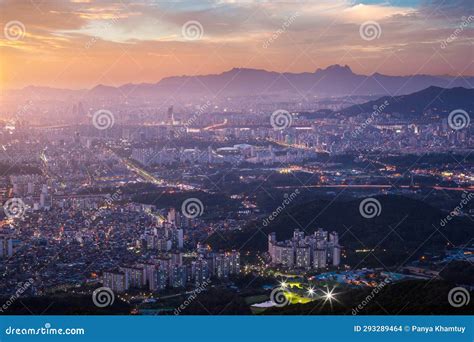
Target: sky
[78, 44]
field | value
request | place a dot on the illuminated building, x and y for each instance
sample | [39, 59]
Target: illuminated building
[116, 281]
[305, 252]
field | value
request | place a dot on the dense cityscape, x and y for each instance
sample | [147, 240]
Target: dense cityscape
[146, 209]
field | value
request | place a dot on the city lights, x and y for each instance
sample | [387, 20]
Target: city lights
[237, 150]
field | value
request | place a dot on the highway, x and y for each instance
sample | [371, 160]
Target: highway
[375, 186]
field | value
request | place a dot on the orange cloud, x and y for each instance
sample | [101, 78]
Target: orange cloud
[81, 43]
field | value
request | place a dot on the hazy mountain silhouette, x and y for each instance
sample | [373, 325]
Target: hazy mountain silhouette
[335, 80]
[433, 99]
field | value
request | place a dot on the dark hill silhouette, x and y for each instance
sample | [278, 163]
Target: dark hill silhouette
[403, 225]
[434, 99]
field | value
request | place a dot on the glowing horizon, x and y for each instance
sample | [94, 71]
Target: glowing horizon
[80, 44]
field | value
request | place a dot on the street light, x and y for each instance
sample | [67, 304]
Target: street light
[329, 295]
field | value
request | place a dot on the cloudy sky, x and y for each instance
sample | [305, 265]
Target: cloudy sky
[79, 44]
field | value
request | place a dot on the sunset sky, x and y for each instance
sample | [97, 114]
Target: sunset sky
[79, 44]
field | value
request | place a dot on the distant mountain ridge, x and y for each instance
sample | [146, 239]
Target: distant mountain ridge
[434, 99]
[335, 80]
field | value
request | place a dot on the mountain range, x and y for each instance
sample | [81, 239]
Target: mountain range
[335, 80]
[434, 99]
